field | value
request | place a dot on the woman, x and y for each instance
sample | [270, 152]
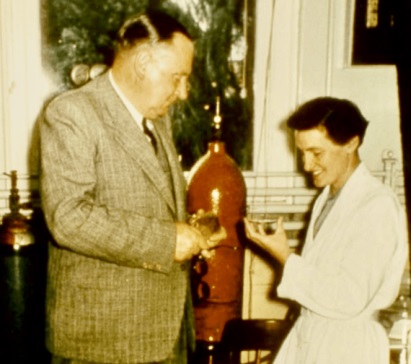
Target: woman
[355, 251]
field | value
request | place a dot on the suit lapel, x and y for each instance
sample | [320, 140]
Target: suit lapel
[177, 177]
[132, 139]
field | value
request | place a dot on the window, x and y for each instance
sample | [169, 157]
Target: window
[80, 34]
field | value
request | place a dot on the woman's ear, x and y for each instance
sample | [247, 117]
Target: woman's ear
[353, 144]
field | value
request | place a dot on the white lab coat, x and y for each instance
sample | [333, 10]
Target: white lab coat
[349, 271]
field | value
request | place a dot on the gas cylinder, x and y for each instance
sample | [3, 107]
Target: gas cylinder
[216, 185]
[22, 287]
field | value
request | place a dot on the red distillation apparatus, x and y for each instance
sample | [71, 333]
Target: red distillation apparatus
[216, 185]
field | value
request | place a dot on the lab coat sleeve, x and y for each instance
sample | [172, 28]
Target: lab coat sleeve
[358, 272]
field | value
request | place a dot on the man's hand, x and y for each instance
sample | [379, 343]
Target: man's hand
[275, 244]
[189, 242]
[210, 228]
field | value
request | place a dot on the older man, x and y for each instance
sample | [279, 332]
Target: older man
[114, 200]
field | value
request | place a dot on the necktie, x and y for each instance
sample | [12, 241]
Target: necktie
[149, 134]
[324, 213]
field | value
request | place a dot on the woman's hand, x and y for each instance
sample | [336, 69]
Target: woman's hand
[275, 244]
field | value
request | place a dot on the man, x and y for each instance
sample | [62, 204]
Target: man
[355, 250]
[113, 195]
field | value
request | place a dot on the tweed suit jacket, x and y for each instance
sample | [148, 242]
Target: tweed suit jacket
[114, 292]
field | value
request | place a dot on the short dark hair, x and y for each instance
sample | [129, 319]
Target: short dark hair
[153, 26]
[341, 118]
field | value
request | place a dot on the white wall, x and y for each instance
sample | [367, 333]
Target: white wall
[311, 46]
[23, 86]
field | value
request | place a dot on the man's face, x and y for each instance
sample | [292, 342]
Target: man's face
[329, 163]
[166, 75]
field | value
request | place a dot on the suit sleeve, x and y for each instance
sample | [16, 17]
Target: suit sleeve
[75, 218]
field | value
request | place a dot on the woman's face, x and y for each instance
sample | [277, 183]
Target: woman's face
[328, 163]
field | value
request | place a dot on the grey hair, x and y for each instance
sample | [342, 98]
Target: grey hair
[153, 36]
[152, 27]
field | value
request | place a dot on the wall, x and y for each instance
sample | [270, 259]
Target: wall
[24, 85]
[311, 44]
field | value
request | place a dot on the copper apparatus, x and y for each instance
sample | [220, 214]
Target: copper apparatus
[216, 185]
